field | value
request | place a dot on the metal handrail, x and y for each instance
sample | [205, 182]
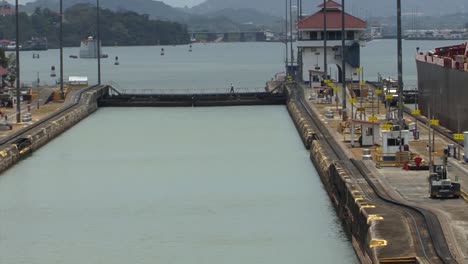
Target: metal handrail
[189, 91]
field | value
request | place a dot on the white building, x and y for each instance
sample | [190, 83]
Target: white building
[311, 42]
[376, 31]
[391, 140]
[88, 48]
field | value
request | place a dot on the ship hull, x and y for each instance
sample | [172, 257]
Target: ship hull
[445, 92]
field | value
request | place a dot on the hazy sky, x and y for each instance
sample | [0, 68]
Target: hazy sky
[178, 3]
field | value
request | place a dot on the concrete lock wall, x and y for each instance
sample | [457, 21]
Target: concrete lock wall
[336, 180]
[8, 156]
[300, 119]
[41, 135]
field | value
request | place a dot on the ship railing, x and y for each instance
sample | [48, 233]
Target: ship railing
[421, 57]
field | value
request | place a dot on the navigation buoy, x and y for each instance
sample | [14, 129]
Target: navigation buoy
[162, 51]
[52, 71]
[116, 61]
[190, 48]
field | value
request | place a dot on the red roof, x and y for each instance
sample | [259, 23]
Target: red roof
[3, 71]
[330, 4]
[315, 21]
[6, 10]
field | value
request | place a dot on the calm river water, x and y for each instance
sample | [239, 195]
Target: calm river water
[177, 185]
[212, 65]
[171, 185]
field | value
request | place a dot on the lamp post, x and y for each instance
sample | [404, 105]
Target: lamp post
[299, 74]
[343, 62]
[325, 66]
[429, 147]
[291, 32]
[458, 128]
[300, 9]
[18, 99]
[98, 42]
[62, 94]
[286, 36]
[400, 72]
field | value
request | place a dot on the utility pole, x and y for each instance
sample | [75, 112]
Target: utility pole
[361, 80]
[299, 73]
[291, 33]
[373, 117]
[297, 11]
[325, 66]
[416, 131]
[62, 94]
[429, 147]
[433, 118]
[400, 72]
[99, 42]
[18, 98]
[300, 9]
[458, 141]
[286, 36]
[343, 62]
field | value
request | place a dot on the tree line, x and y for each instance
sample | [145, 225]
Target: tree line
[9, 63]
[117, 28]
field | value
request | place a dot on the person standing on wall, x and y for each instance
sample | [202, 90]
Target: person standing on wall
[232, 89]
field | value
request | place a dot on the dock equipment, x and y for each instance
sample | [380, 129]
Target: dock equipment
[188, 97]
[441, 186]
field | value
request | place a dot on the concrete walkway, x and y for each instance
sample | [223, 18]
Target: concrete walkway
[409, 186]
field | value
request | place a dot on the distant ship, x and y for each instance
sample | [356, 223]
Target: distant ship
[35, 44]
[442, 85]
[376, 31]
[447, 34]
[89, 50]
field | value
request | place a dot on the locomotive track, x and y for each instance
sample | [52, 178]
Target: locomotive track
[426, 227]
[68, 106]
